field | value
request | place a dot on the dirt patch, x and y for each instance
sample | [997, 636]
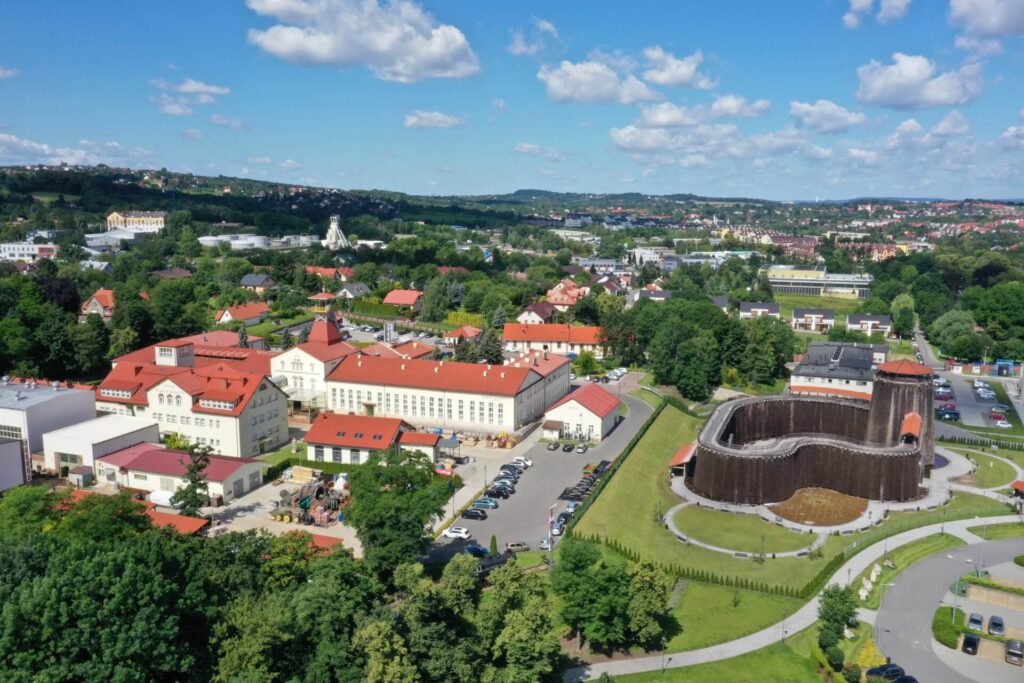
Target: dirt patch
[820, 507]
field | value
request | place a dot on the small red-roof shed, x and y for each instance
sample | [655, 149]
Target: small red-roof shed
[683, 455]
[905, 367]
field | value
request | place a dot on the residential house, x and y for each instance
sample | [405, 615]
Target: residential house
[353, 290]
[837, 369]
[410, 299]
[638, 295]
[813, 319]
[342, 274]
[102, 303]
[351, 439]
[869, 324]
[587, 414]
[408, 350]
[537, 314]
[759, 309]
[567, 340]
[722, 301]
[137, 221]
[453, 337]
[304, 368]
[172, 274]
[257, 282]
[566, 294]
[27, 252]
[248, 314]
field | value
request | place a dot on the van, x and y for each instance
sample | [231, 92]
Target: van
[1015, 652]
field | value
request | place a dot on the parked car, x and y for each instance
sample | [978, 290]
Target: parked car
[1003, 424]
[567, 448]
[970, 645]
[946, 406]
[572, 507]
[996, 414]
[476, 550]
[423, 335]
[509, 471]
[474, 513]
[889, 672]
[498, 492]
[544, 544]
[485, 503]
[1001, 406]
[905, 679]
[572, 376]
[950, 415]
[943, 396]
[553, 446]
[513, 467]
[456, 532]
[517, 547]
[582, 448]
[980, 383]
[562, 519]
[1014, 652]
[996, 627]
[975, 622]
[506, 484]
[557, 529]
[522, 461]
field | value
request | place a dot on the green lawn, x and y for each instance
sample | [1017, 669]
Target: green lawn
[903, 557]
[531, 558]
[284, 453]
[267, 327]
[1011, 416]
[50, 197]
[738, 532]
[841, 307]
[995, 532]
[759, 389]
[653, 399]
[638, 492]
[776, 662]
[902, 348]
[707, 614]
[992, 472]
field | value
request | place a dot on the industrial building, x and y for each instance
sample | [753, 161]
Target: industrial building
[80, 444]
[815, 280]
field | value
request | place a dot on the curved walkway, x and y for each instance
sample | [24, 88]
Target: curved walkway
[803, 618]
[742, 554]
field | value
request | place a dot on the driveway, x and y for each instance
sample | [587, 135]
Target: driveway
[905, 619]
[524, 515]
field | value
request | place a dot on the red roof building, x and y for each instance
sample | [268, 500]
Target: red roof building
[464, 332]
[587, 414]
[342, 274]
[905, 367]
[180, 523]
[351, 439]
[409, 298]
[592, 397]
[569, 340]
[250, 314]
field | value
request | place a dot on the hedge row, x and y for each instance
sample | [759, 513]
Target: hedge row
[992, 585]
[378, 310]
[462, 318]
[971, 441]
[274, 471]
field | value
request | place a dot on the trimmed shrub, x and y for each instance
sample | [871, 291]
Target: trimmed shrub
[947, 626]
[835, 658]
[827, 637]
[1019, 560]
[851, 673]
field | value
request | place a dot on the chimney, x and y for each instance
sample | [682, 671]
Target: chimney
[437, 369]
[485, 373]
[403, 366]
[503, 375]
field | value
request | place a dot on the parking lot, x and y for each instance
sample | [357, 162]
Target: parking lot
[524, 515]
[974, 411]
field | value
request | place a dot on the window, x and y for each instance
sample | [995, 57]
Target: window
[336, 454]
[140, 477]
[69, 459]
[431, 406]
[161, 399]
[501, 416]
[354, 456]
[318, 453]
[472, 411]
[460, 410]
[449, 409]
[177, 401]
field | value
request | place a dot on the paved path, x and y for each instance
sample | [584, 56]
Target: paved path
[808, 614]
[670, 520]
[908, 607]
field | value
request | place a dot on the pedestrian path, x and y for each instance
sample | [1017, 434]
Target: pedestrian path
[819, 540]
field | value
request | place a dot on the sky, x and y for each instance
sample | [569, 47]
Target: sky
[800, 99]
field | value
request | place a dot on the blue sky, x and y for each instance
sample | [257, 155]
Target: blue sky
[782, 100]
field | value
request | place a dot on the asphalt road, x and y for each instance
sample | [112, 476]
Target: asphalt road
[904, 622]
[524, 515]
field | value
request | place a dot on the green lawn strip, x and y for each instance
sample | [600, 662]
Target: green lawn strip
[841, 307]
[709, 614]
[903, 557]
[902, 348]
[639, 492]
[759, 389]
[777, 662]
[653, 399]
[991, 472]
[995, 532]
[271, 324]
[748, 533]
[531, 558]
[50, 197]
[947, 625]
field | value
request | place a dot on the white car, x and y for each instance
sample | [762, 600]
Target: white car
[522, 460]
[979, 384]
[1003, 424]
[456, 532]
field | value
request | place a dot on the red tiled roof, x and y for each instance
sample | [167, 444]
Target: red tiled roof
[474, 378]
[911, 425]
[354, 431]
[324, 332]
[419, 438]
[1018, 486]
[683, 455]
[105, 298]
[323, 296]
[324, 542]
[541, 362]
[328, 352]
[593, 397]
[379, 349]
[464, 332]
[180, 523]
[905, 367]
[323, 271]
[155, 459]
[572, 334]
[403, 297]
[244, 311]
[415, 349]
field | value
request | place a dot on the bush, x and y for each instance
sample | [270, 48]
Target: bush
[947, 626]
[851, 673]
[835, 658]
[827, 637]
[1019, 560]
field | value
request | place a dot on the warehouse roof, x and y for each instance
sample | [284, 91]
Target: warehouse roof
[551, 332]
[103, 428]
[155, 459]
[592, 397]
[469, 378]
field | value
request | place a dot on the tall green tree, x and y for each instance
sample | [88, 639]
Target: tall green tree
[196, 492]
[489, 347]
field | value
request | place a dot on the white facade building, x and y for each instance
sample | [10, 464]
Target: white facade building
[82, 443]
[137, 221]
[12, 465]
[27, 252]
[587, 414]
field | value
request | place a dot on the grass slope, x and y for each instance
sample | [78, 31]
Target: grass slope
[903, 557]
[991, 472]
[774, 663]
[710, 614]
[841, 307]
[738, 532]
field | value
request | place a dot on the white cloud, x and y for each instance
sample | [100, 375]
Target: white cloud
[910, 134]
[664, 68]
[851, 20]
[398, 41]
[520, 46]
[593, 83]
[982, 47]
[824, 116]
[1014, 135]
[788, 141]
[290, 165]
[694, 161]
[988, 18]
[910, 83]
[857, 7]
[190, 86]
[863, 156]
[545, 26]
[891, 10]
[954, 123]
[728, 106]
[549, 153]
[260, 160]
[15, 150]
[193, 134]
[668, 115]
[1020, 114]
[171, 104]
[499, 105]
[431, 119]
[227, 121]
[8, 72]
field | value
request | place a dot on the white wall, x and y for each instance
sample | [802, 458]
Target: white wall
[145, 481]
[12, 466]
[61, 409]
[578, 422]
[88, 449]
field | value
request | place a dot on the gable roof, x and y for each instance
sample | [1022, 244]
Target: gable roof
[826, 313]
[172, 274]
[419, 439]
[244, 311]
[155, 459]
[683, 455]
[591, 397]
[857, 319]
[180, 523]
[911, 425]
[354, 431]
[905, 367]
[750, 306]
[256, 280]
[464, 332]
[104, 297]
[323, 271]
[403, 297]
[549, 332]
[415, 349]
[470, 378]
[543, 309]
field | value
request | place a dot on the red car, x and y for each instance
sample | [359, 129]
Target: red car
[947, 406]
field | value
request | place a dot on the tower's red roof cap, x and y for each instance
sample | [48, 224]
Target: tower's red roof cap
[905, 367]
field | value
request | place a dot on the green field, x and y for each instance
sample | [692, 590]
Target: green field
[995, 532]
[653, 399]
[265, 328]
[748, 533]
[776, 662]
[760, 389]
[709, 614]
[50, 197]
[903, 557]
[841, 307]
[284, 453]
[992, 472]
[638, 492]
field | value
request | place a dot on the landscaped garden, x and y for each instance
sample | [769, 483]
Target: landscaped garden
[991, 472]
[748, 533]
[903, 557]
[841, 307]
